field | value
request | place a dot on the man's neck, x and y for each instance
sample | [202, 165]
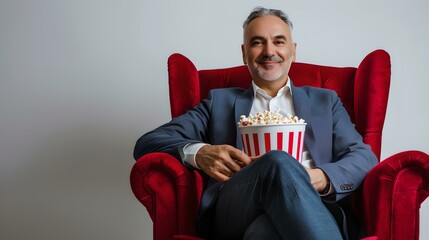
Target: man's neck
[271, 87]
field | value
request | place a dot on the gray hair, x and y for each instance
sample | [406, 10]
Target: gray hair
[261, 11]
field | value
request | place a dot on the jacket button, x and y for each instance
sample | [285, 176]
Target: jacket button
[345, 187]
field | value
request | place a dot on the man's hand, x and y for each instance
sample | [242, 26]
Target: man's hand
[221, 161]
[318, 178]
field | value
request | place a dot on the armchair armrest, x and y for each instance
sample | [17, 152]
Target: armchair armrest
[392, 194]
[169, 191]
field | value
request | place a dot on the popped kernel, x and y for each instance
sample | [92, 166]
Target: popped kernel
[268, 117]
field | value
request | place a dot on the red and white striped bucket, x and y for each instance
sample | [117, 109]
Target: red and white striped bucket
[260, 139]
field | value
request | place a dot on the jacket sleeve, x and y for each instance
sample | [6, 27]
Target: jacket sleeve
[352, 158]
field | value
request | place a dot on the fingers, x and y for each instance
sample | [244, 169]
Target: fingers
[221, 161]
[219, 170]
[219, 177]
[240, 157]
[254, 158]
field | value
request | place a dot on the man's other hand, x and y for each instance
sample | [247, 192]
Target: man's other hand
[318, 178]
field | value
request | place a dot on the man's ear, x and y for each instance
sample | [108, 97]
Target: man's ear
[243, 53]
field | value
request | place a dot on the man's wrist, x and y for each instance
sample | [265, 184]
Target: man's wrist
[325, 191]
[328, 189]
[188, 153]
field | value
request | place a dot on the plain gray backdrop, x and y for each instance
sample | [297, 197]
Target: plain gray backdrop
[81, 80]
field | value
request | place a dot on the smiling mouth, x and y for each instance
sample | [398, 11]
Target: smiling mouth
[268, 63]
[265, 60]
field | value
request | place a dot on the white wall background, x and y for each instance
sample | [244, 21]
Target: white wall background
[81, 80]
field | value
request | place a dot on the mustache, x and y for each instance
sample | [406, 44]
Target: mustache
[265, 58]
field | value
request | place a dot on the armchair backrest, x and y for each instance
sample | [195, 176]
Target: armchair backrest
[363, 90]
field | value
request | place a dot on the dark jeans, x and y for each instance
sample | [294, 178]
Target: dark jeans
[272, 199]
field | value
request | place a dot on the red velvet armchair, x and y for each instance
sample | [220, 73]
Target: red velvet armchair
[392, 192]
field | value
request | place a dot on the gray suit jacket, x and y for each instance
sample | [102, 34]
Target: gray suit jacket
[330, 136]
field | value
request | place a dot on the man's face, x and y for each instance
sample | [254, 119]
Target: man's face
[268, 49]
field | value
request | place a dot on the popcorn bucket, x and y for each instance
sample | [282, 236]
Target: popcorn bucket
[260, 139]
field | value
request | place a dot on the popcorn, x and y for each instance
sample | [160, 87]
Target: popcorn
[267, 131]
[268, 118]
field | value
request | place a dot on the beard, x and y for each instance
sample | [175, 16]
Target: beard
[270, 72]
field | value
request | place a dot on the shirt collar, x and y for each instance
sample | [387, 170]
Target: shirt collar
[284, 90]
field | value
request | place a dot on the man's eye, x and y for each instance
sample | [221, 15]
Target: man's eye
[279, 42]
[256, 43]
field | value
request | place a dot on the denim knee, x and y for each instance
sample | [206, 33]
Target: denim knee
[280, 158]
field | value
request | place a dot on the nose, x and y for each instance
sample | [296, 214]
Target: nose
[269, 49]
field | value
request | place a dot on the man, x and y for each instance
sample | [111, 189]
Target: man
[272, 197]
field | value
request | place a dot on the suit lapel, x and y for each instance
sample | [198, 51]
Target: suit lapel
[243, 105]
[302, 106]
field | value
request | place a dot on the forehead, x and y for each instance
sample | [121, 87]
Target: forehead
[266, 26]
